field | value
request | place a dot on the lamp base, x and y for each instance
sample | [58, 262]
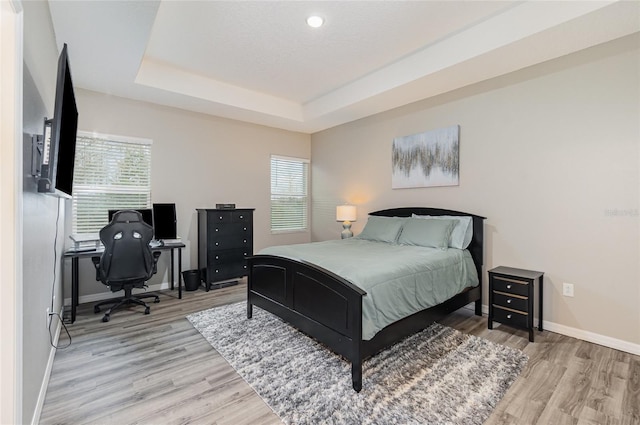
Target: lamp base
[346, 233]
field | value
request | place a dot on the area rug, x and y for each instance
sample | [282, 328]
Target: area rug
[438, 376]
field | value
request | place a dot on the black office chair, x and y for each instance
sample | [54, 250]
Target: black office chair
[127, 261]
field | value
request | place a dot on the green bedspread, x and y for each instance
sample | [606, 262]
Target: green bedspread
[399, 280]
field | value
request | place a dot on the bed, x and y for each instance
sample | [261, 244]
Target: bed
[328, 306]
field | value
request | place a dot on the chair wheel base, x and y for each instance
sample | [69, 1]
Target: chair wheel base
[106, 318]
[147, 310]
[157, 300]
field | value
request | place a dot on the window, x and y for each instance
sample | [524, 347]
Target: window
[289, 199]
[110, 173]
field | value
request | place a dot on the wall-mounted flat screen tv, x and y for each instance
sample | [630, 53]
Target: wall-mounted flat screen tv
[59, 146]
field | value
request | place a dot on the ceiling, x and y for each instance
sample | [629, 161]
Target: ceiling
[258, 61]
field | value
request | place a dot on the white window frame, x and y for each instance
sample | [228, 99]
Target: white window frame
[99, 217]
[292, 193]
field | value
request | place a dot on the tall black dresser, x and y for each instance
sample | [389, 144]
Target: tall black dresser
[225, 239]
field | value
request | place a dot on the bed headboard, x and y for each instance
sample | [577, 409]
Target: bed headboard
[476, 247]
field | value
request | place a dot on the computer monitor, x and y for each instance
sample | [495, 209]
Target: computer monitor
[147, 215]
[165, 223]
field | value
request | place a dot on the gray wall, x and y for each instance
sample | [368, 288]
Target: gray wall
[550, 155]
[197, 161]
[41, 264]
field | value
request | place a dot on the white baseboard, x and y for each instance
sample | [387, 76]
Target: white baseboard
[606, 341]
[47, 374]
[108, 294]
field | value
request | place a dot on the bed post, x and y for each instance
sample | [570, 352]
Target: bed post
[249, 281]
[478, 257]
[356, 375]
[356, 355]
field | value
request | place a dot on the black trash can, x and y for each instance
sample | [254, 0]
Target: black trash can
[191, 279]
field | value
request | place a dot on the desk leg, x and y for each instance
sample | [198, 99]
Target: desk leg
[179, 273]
[171, 270]
[74, 287]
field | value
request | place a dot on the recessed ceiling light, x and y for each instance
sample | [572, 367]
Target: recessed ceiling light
[315, 21]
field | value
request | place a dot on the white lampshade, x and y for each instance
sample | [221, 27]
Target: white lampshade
[346, 213]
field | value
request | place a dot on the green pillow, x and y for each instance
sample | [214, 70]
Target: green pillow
[382, 229]
[427, 232]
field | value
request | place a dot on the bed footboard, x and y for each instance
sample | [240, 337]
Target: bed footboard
[314, 300]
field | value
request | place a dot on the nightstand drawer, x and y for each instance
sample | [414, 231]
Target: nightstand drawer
[511, 301]
[509, 317]
[510, 286]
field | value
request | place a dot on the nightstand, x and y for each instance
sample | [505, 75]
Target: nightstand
[511, 293]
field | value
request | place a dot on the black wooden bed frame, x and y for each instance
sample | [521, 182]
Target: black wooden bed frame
[329, 308]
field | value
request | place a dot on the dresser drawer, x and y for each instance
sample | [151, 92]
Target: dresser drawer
[227, 271]
[510, 286]
[230, 255]
[219, 217]
[509, 317]
[511, 301]
[229, 242]
[240, 230]
[242, 217]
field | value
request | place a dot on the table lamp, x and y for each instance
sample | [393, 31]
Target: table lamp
[346, 214]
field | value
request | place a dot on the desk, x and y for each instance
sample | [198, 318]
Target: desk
[76, 255]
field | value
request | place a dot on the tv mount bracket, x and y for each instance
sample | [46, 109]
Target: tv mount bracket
[40, 145]
[37, 143]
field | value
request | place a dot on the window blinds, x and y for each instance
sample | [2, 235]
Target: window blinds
[289, 199]
[110, 173]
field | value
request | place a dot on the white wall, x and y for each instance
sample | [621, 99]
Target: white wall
[11, 42]
[42, 245]
[550, 155]
[197, 162]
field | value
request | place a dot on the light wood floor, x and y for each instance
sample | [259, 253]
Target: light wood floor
[157, 369]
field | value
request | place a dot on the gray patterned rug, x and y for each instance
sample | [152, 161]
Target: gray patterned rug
[438, 376]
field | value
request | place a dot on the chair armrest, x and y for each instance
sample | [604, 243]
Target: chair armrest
[96, 264]
[156, 255]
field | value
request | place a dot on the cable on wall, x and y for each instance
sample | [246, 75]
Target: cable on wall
[53, 287]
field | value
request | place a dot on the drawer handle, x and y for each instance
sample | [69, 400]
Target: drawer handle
[244, 267]
[244, 240]
[216, 230]
[216, 271]
[508, 301]
[508, 286]
[241, 216]
[245, 228]
[508, 315]
[220, 217]
[217, 257]
[217, 244]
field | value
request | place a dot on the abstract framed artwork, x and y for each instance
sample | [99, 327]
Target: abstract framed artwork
[426, 159]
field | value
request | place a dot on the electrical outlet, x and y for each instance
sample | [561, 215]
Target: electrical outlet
[567, 289]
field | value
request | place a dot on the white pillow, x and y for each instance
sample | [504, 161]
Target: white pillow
[462, 233]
